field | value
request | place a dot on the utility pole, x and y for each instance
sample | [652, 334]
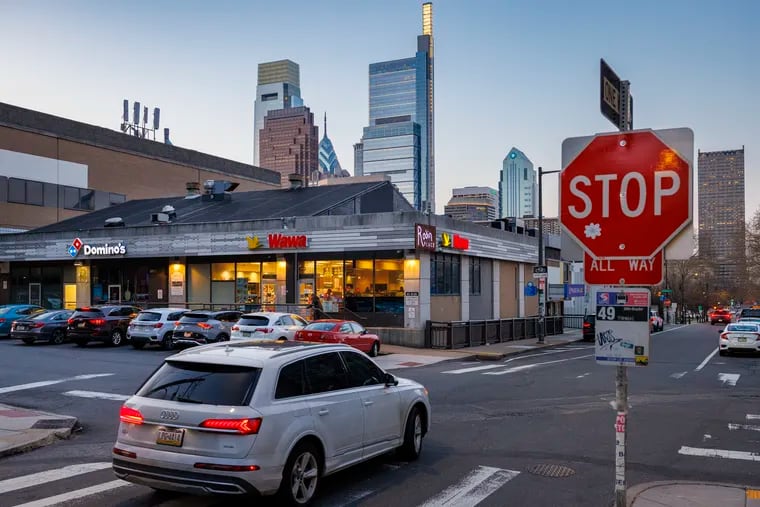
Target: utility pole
[541, 292]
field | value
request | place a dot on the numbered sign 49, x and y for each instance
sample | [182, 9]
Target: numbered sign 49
[622, 327]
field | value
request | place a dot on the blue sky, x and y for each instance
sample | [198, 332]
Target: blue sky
[508, 73]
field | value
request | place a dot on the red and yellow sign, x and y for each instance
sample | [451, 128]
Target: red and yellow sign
[279, 241]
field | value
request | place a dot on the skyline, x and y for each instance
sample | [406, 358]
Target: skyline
[527, 75]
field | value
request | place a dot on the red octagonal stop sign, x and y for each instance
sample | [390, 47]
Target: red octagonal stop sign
[627, 194]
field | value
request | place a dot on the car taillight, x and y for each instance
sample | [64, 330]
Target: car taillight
[70, 321]
[36, 325]
[158, 325]
[130, 415]
[242, 426]
[265, 330]
[97, 322]
[176, 324]
[204, 325]
[724, 336]
[236, 328]
[586, 325]
[227, 468]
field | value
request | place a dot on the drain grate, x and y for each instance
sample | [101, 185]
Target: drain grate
[551, 470]
[52, 424]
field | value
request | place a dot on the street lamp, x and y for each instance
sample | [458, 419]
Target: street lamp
[541, 293]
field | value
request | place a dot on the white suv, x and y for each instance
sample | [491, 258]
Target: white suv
[154, 326]
[267, 325]
[265, 417]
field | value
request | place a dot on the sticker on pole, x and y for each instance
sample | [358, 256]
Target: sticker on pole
[622, 327]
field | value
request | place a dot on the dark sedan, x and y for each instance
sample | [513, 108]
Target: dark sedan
[589, 328]
[48, 326]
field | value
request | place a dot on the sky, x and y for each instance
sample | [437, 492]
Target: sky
[519, 73]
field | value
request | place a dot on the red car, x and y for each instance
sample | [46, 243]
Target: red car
[340, 331]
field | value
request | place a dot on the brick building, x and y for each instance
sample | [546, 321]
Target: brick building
[289, 142]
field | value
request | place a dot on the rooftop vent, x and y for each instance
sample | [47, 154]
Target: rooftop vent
[159, 218]
[114, 222]
[193, 189]
[217, 189]
[296, 181]
[169, 210]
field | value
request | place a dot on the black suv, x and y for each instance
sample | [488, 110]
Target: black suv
[589, 328]
[106, 323]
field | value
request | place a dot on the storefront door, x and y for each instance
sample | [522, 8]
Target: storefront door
[69, 296]
[35, 294]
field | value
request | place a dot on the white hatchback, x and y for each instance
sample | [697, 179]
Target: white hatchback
[267, 326]
[265, 417]
[741, 336]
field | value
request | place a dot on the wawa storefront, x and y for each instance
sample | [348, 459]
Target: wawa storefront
[391, 269]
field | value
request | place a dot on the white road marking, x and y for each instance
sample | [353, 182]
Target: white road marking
[34, 385]
[671, 329]
[522, 346]
[473, 488]
[729, 378]
[501, 364]
[706, 437]
[752, 417]
[749, 427]
[679, 374]
[528, 366]
[74, 495]
[719, 453]
[585, 374]
[707, 359]
[66, 472]
[97, 395]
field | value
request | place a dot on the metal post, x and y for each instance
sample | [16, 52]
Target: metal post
[541, 292]
[621, 402]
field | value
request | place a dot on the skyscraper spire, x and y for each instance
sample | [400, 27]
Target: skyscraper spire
[325, 123]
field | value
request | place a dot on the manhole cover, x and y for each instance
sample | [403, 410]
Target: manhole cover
[551, 470]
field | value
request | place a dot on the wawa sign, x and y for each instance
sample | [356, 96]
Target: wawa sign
[279, 241]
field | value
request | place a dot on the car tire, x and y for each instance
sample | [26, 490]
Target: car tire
[723, 352]
[222, 338]
[301, 475]
[58, 337]
[138, 345]
[413, 433]
[117, 338]
[28, 341]
[80, 342]
[374, 350]
[166, 342]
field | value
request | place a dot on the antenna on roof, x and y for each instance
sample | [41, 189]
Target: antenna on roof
[139, 128]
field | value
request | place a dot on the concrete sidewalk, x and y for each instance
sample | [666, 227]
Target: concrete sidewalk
[692, 494]
[23, 429]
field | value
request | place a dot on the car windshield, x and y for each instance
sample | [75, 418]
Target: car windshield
[253, 320]
[194, 317]
[5, 309]
[149, 317]
[208, 384]
[320, 326]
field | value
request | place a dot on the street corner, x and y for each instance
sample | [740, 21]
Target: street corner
[23, 429]
[654, 494]
[490, 356]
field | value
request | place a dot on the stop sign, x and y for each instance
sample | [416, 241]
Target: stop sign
[626, 194]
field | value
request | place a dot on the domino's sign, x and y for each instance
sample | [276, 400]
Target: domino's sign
[78, 247]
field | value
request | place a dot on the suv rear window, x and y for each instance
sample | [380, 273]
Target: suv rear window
[89, 313]
[194, 317]
[750, 312]
[149, 317]
[208, 384]
[252, 320]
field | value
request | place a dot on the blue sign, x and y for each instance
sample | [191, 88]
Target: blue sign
[531, 289]
[574, 290]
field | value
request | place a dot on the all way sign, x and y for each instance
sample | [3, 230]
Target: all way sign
[623, 271]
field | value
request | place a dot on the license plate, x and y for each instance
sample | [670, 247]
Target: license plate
[742, 340]
[81, 324]
[172, 437]
[188, 334]
[246, 333]
[20, 328]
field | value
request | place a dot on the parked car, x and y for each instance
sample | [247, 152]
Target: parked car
[107, 323]
[720, 316]
[267, 325]
[154, 326]
[47, 326]
[742, 336]
[589, 325]
[265, 417]
[340, 331]
[203, 326]
[11, 313]
[656, 321]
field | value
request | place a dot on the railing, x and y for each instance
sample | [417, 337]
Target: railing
[573, 321]
[459, 334]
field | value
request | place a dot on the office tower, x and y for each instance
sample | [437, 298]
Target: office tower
[288, 143]
[328, 160]
[278, 88]
[721, 217]
[517, 186]
[473, 204]
[550, 225]
[399, 140]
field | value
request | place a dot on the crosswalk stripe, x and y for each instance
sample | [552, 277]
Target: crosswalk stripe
[74, 495]
[527, 366]
[679, 374]
[751, 417]
[97, 395]
[471, 369]
[43, 383]
[749, 427]
[26, 481]
[729, 378]
[719, 453]
[473, 488]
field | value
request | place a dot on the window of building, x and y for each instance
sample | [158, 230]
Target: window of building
[50, 195]
[3, 189]
[116, 198]
[445, 274]
[222, 271]
[16, 190]
[475, 280]
[389, 277]
[360, 277]
[248, 283]
[34, 193]
[268, 283]
[268, 96]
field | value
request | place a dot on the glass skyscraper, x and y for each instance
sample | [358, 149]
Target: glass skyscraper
[278, 87]
[517, 186]
[399, 138]
[328, 159]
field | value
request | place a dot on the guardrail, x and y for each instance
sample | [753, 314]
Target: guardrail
[573, 321]
[459, 334]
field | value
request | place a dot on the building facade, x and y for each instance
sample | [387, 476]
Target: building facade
[550, 225]
[721, 217]
[473, 204]
[401, 104]
[53, 168]
[278, 87]
[517, 186]
[289, 143]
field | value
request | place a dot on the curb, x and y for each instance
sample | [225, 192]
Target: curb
[496, 356]
[633, 492]
[35, 438]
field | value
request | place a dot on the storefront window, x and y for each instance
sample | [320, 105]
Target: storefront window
[389, 277]
[305, 281]
[360, 285]
[248, 283]
[329, 279]
[268, 283]
[222, 271]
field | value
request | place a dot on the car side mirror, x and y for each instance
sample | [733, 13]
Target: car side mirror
[390, 380]
[364, 331]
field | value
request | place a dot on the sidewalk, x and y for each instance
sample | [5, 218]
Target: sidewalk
[692, 494]
[22, 429]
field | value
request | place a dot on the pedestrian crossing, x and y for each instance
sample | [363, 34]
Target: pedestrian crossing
[92, 485]
[738, 438]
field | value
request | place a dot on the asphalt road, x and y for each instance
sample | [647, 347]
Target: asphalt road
[535, 429]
